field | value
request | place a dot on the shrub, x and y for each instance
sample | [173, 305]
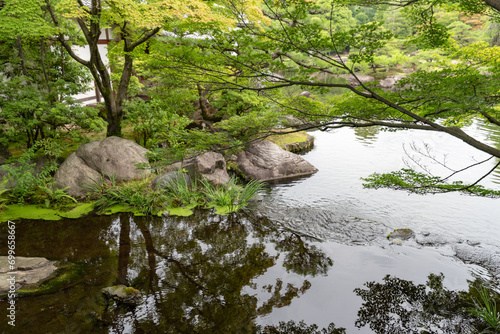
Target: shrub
[137, 195]
[25, 178]
[232, 196]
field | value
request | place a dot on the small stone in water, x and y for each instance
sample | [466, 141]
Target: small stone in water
[401, 233]
[123, 294]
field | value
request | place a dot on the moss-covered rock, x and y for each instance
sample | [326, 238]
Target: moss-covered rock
[295, 142]
[123, 294]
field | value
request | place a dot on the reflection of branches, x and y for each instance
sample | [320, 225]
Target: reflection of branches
[426, 152]
[181, 268]
[302, 258]
[278, 300]
[400, 306]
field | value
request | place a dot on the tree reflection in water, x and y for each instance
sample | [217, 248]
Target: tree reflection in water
[399, 306]
[197, 273]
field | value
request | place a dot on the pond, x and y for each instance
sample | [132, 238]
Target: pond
[298, 254]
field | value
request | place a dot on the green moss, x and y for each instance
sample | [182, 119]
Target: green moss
[18, 211]
[290, 138]
[65, 275]
[223, 210]
[131, 291]
[78, 211]
[120, 209]
[32, 211]
[117, 209]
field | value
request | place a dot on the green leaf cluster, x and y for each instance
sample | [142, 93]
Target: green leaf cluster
[419, 183]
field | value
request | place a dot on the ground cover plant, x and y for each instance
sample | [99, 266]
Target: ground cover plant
[141, 198]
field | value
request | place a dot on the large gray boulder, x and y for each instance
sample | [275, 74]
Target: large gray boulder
[210, 165]
[108, 158]
[77, 175]
[266, 161]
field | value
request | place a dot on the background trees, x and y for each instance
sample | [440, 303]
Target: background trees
[37, 81]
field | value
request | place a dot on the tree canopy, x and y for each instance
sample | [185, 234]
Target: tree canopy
[244, 61]
[303, 43]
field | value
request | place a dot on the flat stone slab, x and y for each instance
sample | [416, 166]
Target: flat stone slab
[28, 270]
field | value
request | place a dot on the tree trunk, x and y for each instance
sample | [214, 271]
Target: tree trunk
[495, 4]
[91, 29]
[21, 56]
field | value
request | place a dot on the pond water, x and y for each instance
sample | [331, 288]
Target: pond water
[298, 254]
[344, 156]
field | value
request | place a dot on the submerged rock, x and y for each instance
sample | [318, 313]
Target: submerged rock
[123, 294]
[401, 234]
[266, 161]
[427, 239]
[26, 271]
[327, 225]
[487, 257]
[108, 158]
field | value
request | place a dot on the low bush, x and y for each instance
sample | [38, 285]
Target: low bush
[231, 196]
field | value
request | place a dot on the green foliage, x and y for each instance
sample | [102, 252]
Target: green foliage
[222, 196]
[159, 121]
[53, 196]
[181, 192]
[231, 102]
[230, 197]
[14, 11]
[36, 85]
[3, 191]
[420, 183]
[178, 196]
[136, 195]
[485, 308]
[28, 183]
[247, 126]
